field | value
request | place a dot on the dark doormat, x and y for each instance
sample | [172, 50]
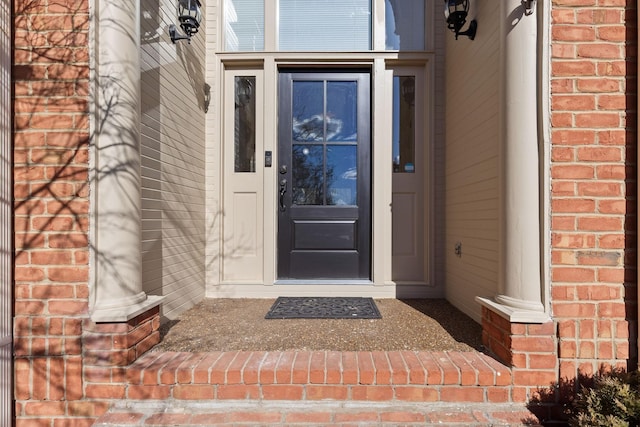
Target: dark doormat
[323, 308]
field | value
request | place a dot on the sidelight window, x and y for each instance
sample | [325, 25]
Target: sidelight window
[404, 97]
[245, 124]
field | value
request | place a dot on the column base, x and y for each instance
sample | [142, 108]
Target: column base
[126, 313]
[528, 347]
[514, 314]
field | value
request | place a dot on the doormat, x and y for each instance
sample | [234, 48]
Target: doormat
[323, 308]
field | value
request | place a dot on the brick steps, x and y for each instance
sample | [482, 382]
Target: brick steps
[317, 388]
[321, 375]
[295, 413]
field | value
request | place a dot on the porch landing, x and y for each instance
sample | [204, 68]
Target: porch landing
[319, 388]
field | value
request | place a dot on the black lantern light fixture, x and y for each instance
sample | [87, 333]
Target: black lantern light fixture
[528, 6]
[456, 12]
[190, 16]
[408, 90]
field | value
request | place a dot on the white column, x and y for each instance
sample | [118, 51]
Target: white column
[520, 293]
[117, 291]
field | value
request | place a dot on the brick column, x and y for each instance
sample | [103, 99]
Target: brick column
[51, 207]
[594, 279]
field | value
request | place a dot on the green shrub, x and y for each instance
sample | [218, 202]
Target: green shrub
[611, 400]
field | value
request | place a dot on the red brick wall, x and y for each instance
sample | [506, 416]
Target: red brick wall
[593, 259]
[51, 74]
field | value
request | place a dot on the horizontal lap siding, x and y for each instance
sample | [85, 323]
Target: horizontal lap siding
[173, 162]
[472, 153]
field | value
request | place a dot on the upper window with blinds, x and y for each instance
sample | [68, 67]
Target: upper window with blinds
[244, 25]
[404, 25]
[328, 25]
[331, 25]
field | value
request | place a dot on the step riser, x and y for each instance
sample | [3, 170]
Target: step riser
[319, 388]
[293, 413]
[311, 392]
[302, 375]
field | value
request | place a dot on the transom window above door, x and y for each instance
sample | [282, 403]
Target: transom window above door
[328, 25]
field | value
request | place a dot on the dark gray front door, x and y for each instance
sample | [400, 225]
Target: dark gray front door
[324, 179]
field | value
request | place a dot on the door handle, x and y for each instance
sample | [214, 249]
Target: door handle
[283, 190]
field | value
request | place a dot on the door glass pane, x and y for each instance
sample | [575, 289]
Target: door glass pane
[245, 124]
[308, 174]
[328, 25]
[342, 112]
[404, 88]
[308, 111]
[244, 25]
[404, 21]
[342, 174]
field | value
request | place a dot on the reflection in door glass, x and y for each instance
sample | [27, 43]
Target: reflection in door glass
[342, 161]
[404, 88]
[342, 111]
[245, 124]
[308, 174]
[308, 111]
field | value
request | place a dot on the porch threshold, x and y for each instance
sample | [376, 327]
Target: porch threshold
[323, 282]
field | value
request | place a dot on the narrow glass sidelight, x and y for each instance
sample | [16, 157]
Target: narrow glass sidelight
[404, 132]
[245, 124]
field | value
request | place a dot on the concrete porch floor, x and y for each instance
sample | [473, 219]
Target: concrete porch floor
[239, 324]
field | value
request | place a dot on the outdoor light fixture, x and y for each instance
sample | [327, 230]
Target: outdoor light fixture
[456, 12]
[408, 90]
[528, 6]
[190, 16]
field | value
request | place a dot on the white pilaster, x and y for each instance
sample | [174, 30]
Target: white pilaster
[117, 291]
[520, 293]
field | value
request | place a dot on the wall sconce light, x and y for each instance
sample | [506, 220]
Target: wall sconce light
[456, 12]
[408, 90]
[190, 16]
[528, 6]
[207, 97]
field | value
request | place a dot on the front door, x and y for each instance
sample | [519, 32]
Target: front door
[324, 179]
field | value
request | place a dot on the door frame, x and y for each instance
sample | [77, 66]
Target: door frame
[381, 285]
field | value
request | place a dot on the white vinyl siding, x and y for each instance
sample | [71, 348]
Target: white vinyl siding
[472, 163]
[172, 164]
[6, 259]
